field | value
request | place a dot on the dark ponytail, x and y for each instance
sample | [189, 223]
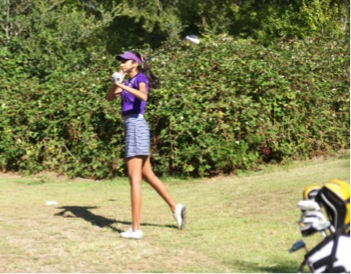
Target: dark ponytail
[154, 82]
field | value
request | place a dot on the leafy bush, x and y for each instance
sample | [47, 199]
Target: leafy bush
[225, 105]
[231, 105]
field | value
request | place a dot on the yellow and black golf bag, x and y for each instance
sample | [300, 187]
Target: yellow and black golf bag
[334, 196]
[326, 209]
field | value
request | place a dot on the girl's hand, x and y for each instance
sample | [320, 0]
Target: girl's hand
[118, 77]
[122, 74]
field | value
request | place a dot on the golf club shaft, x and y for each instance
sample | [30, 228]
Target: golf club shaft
[159, 52]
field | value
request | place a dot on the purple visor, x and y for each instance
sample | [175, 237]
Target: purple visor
[128, 56]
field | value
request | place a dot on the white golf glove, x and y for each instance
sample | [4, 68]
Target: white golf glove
[116, 77]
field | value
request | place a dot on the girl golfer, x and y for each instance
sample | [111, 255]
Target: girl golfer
[134, 94]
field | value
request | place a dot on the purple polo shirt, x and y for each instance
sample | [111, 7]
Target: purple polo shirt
[131, 104]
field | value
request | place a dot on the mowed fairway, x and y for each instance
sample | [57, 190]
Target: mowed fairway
[241, 223]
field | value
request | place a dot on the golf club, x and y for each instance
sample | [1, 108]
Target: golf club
[298, 245]
[308, 205]
[192, 39]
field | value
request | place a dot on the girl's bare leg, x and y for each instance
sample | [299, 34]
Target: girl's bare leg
[135, 165]
[157, 184]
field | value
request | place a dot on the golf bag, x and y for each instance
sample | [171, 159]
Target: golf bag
[334, 196]
[332, 253]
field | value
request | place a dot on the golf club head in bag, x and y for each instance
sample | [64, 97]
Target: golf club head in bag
[312, 219]
[308, 205]
[297, 246]
[312, 222]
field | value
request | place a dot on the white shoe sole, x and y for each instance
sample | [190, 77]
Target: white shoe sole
[181, 220]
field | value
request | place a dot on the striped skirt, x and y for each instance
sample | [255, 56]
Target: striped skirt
[137, 136]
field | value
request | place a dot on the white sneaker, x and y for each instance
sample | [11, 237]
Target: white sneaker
[131, 234]
[180, 215]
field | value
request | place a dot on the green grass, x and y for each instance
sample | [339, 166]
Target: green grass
[242, 223]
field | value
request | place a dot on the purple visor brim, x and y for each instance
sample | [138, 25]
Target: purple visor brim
[128, 56]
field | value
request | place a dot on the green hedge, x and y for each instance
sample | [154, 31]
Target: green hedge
[225, 105]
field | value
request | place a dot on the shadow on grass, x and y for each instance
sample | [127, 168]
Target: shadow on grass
[279, 267]
[84, 212]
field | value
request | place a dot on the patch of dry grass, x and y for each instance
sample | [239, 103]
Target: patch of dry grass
[236, 224]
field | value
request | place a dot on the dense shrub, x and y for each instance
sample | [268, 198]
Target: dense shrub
[232, 104]
[224, 105]
[58, 123]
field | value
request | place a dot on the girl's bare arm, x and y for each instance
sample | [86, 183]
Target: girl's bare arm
[140, 93]
[113, 93]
